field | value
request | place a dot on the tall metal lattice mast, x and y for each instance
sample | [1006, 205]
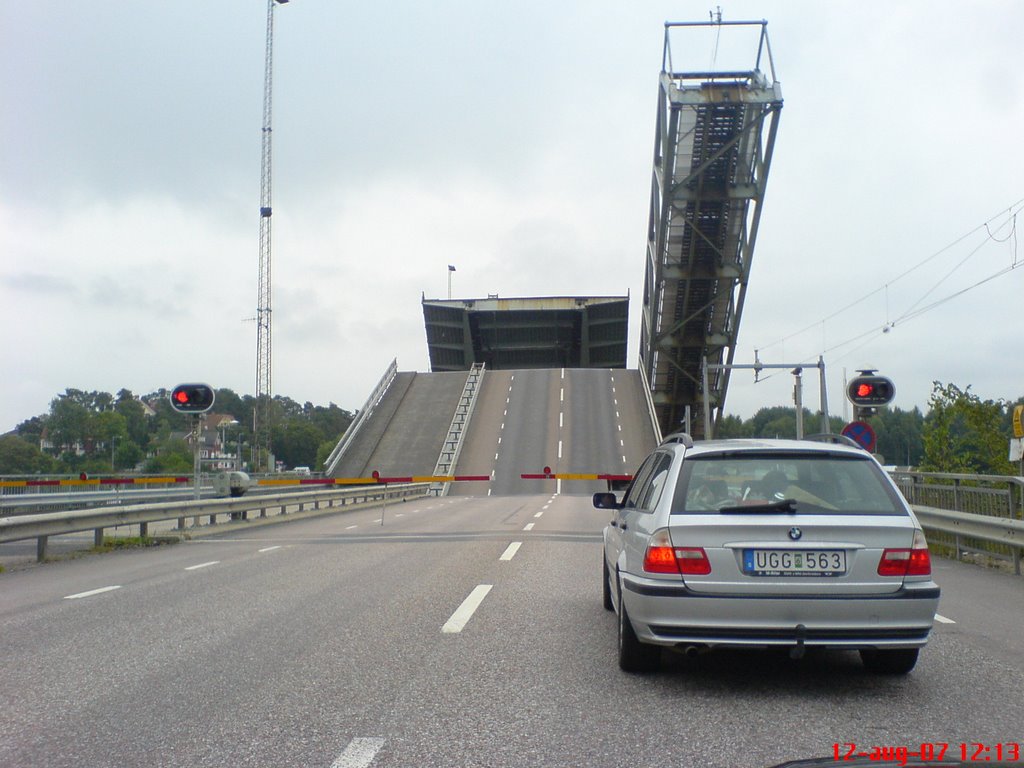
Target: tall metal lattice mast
[264, 396]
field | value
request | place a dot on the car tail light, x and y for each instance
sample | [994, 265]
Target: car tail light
[662, 557]
[693, 561]
[907, 562]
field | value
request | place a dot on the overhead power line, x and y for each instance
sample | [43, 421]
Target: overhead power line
[915, 309]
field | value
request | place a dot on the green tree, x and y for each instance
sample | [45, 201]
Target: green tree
[68, 423]
[127, 455]
[323, 453]
[172, 455]
[108, 428]
[899, 435]
[32, 429]
[332, 421]
[134, 417]
[298, 444]
[963, 433]
[21, 457]
[731, 426]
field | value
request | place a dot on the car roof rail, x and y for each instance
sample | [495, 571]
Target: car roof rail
[678, 437]
[829, 437]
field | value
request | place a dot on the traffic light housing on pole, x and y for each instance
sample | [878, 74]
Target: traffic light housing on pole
[869, 393]
[192, 398]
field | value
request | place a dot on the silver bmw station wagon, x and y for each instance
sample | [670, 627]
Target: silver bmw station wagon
[758, 543]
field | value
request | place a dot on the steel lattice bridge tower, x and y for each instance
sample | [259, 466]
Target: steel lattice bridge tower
[713, 148]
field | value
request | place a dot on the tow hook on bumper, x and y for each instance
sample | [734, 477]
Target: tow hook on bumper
[798, 650]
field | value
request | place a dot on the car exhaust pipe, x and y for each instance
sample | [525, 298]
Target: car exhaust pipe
[693, 651]
[799, 650]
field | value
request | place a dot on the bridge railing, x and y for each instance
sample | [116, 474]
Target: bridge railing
[353, 429]
[968, 514]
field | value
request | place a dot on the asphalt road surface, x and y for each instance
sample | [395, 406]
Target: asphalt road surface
[464, 631]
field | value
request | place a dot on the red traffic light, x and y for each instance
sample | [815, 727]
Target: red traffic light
[192, 398]
[871, 391]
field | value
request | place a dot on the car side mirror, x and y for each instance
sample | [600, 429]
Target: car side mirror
[606, 501]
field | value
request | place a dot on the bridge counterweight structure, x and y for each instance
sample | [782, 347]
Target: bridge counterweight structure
[713, 148]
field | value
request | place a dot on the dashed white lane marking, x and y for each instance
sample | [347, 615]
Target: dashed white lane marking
[269, 549]
[91, 592]
[539, 514]
[561, 395]
[561, 420]
[202, 565]
[400, 514]
[943, 620]
[359, 753]
[559, 449]
[350, 527]
[510, 552]
[528, 527]
[465, 611]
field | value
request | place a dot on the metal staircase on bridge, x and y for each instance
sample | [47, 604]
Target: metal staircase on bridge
[713, 147]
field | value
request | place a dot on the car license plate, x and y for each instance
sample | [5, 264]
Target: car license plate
[794, 562]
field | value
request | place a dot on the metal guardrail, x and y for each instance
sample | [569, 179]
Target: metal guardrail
[967, 528]
[37, 502]
[42, 526]
[371, 402]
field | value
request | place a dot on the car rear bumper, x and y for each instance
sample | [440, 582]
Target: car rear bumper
[671, 614]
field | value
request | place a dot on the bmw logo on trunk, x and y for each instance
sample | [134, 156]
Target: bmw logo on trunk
[795, 533]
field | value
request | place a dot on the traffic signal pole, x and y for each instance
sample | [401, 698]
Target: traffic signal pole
[757, 367]
[196, 464]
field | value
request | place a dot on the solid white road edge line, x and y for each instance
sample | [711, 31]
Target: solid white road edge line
[359, 753]
[465, 611]
[91, 592]
[202, 565]
[511, 550]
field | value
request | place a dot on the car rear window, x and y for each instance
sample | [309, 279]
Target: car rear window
[818, 482]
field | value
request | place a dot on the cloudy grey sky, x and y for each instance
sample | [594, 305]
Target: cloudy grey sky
[511, 140]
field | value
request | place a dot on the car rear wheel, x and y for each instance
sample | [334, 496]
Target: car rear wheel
[634, 656]
[889, 661]
[606, 590]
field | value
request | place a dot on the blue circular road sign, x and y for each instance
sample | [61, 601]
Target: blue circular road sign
[861, 433]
